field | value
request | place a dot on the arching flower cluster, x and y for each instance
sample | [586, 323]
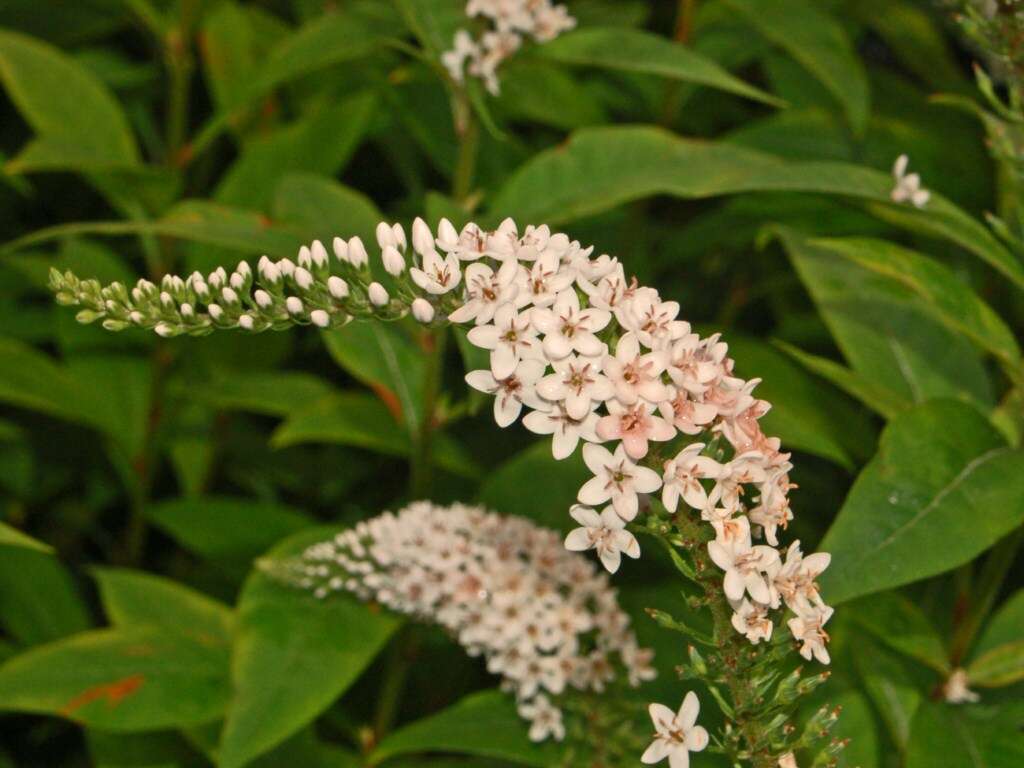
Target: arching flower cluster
[578, 352]
[510, 22]
[543, 618]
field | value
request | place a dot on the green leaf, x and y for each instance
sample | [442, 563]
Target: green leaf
[126, 679]
[63, 101]
[601, 168]
[897, 621]
[293, 656]
[633, 50]
[533, 485]
[544, 93]
[162, 749]
[944, 735]
[26, 574]
[886, 331]
[894, 691]
[274, 393]
[1006, 626]
[806, 414]
[228, 53]
[386, 359]
[1003, 665]
[433, 22]
[484, 724]
[12, 537]
[321, 142]
[114, 393]
[321, 208]
[30, 379]
[819, 44]
[229, 532]
[363, 421]
[943, 488]
[132, 598]
[949, 299]
[858, 724]
[865, 389]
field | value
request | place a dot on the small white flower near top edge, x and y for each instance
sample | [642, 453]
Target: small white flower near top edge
[908, 187]
[676, 734]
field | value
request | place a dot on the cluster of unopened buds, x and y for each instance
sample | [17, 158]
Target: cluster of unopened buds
[510, 22]
[543, 618]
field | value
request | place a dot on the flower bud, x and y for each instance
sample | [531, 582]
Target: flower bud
[305, 258]
[187, 312]
[377, 293]
[357, 254]
[385, 237]
[164, 329]
[243, 269]
[394, 264]
[422, 310]
[263, 299]
[446, 232]
[303, 278]
[287, 267]
[422, 237]
[319, 254]
[215, 311]
[398, 234]
[229, 296]
[340, 249]
[294, 305]
[320, 318]
[338, 288]
[245, 322]
[237, 281]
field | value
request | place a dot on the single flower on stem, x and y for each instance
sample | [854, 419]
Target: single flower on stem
[568, 328]
[635, 426]
[676, 733]
[633, 374]
[565, 430]
[512, 392]
[510, 338]
[683, 476]
[578, 382]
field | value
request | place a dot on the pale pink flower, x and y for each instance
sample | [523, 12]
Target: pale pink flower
[486, 290]
[687, 415]
[512, 392]
[683, 476]
[751, 619]
[617, 479]
[744, 565]
[437, 275]
[578, 382]
[568, 328]
[511, 338]
[606, 533]
[808, 629]
[795, 579]
[635, 427]
[565, 430]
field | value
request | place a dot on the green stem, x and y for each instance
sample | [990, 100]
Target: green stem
[423, 442]
[993, 572]
[468, 132]
[403, 654]
[178, 56]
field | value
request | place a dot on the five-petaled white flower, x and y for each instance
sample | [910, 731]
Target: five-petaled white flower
[808, 629]
[565, 430]
[616, 478]
[743, 564]
[751, 619]
[545, 719]
[635, 375]
[683, 476]
[795, 578]
[486, 290]
[437, 275]
[606, 533]
[512, 392]
[578, 382]
[566, 327]
[908, 185]
[544, 280]
[510, 339]
[676, 733]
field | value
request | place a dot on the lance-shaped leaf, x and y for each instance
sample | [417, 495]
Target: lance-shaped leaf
[943, 488]
[633, 50]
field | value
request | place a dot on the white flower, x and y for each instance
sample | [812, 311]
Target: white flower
[788, 760]
[616, 478]
[694, 364]
[578, 382]
[512, 392]
[633, 374]
[744, 565]
[437, 275]
[544, 280]
[751, 619]
[606, 533]
[807, 628]
[955, 690]
[511, 338]
[566, 431]
[795, 579]
[567, 328]
[394, 262]
[378, 294]
[486, 290]
[908, 185]
[455, 59]
[683, 476]
[676, 733]
[545, 720]
[651, 319]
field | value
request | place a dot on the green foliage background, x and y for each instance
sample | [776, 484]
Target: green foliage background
[734, 153]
